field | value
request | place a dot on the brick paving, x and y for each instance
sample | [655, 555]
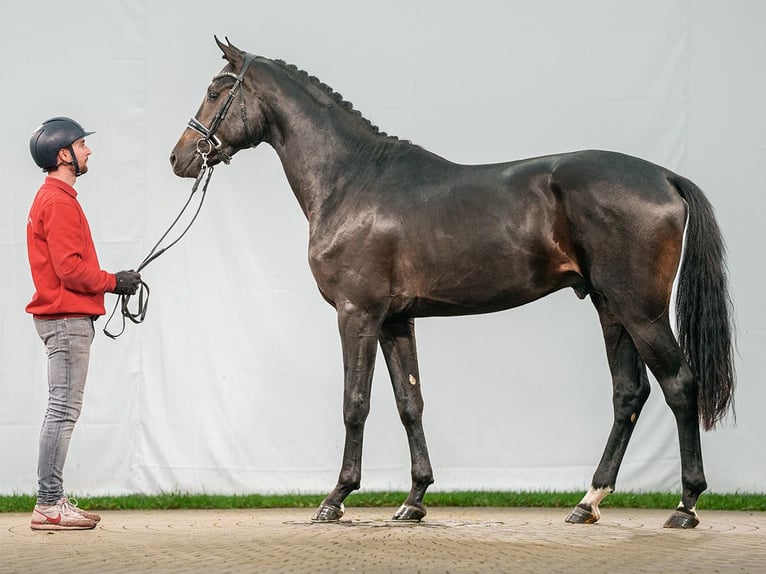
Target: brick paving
[449, 540]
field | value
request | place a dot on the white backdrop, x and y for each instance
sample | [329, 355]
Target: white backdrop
[233, 384]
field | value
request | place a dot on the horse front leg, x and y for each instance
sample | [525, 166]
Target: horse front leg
[397, 340]
[630, 389]
[359, 339]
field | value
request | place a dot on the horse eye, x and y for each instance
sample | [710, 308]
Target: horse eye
[212, 96]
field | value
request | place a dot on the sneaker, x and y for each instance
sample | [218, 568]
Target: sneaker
[72, 503]
[59, 516]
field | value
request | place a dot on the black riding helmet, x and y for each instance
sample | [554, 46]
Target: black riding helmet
[50, 137]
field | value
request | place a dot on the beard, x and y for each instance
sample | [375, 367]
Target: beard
[83, 166]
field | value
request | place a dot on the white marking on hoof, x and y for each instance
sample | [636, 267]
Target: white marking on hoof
[593, 498]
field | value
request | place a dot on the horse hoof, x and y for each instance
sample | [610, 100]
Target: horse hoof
[582, 515]
[682, 519]
[409, 513]
[328, 513]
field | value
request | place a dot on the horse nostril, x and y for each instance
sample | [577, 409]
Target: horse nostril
[172, 159]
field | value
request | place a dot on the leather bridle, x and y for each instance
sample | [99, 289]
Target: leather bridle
[208, 134]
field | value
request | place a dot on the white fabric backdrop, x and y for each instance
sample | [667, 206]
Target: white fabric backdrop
[234, 383]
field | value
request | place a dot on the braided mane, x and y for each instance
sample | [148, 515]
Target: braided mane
[338, 98]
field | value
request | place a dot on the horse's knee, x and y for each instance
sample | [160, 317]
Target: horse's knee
[411, 413]
[355, 411]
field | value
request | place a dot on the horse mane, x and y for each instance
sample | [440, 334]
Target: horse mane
[335, 96]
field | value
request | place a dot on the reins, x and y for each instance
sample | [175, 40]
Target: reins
[123, 301]
[213, 143]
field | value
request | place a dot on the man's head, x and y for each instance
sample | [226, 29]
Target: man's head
[60, 141]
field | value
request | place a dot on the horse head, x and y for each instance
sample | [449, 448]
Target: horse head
[214, 135]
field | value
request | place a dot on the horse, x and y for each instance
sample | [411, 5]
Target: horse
[397, 233]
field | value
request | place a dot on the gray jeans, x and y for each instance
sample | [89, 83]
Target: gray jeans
[67, 343]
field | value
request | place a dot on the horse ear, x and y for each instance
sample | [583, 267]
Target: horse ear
[230, 52]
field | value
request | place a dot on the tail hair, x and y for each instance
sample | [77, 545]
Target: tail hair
[704, 310]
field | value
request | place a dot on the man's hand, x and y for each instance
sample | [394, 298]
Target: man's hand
[127, 282]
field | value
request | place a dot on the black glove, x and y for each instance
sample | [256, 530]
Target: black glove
[127, 282]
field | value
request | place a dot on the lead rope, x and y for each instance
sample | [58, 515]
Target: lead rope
[123, 301]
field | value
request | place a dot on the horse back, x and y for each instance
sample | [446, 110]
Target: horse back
[431, 237]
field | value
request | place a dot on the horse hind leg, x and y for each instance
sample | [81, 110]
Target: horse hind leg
[397, 340]
[630, 389]
[659, 348]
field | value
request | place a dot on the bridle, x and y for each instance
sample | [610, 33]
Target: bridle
[213, 143]
[208, 134]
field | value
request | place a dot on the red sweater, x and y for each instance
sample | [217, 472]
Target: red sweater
[68, 279]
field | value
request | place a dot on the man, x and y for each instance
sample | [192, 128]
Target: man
[69, 296]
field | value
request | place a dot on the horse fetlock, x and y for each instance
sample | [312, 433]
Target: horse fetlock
[346, 485]
[422, 477]
[694, 485]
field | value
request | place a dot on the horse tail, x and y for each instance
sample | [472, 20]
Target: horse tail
[704, 308]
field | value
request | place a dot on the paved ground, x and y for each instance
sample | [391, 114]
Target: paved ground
[449, 540]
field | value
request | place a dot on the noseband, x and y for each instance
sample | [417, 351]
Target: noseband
[208, 134]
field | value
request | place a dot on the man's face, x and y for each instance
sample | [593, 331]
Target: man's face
[82, 151]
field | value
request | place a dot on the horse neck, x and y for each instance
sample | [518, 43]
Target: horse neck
[318, 142]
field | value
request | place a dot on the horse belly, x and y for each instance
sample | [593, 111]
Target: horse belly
[485, 279]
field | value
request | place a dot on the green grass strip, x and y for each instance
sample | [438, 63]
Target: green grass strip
[737, 501]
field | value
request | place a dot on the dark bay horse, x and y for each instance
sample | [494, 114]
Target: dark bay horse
[397, 232]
